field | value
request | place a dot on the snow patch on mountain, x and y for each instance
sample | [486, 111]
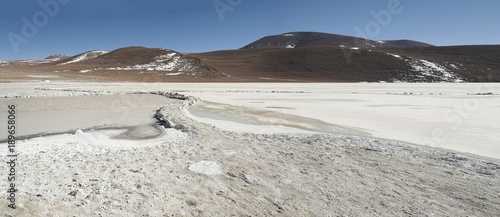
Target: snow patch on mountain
[85, 56]
[4, 63]
[394, 55]
[433, 71]
[454, 66]
[168, 62]
[370, 43]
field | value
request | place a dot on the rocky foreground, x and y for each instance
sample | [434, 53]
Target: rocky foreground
[199, 170]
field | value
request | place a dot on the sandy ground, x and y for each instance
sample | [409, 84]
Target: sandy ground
[203, 170]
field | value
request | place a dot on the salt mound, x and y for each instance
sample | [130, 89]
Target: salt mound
[206, 168]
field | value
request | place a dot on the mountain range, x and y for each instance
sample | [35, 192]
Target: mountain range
[293, 56]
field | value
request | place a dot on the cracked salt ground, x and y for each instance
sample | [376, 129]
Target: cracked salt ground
[207, 171]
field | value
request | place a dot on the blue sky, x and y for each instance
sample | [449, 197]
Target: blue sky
[196, 26]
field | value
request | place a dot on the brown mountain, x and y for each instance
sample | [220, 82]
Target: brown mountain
[352, 64]
[124, 64]
[312, 39]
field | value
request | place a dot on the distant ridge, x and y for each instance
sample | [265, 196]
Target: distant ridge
[84, 56]
[408, 43]
[310, 39]
[56, 57]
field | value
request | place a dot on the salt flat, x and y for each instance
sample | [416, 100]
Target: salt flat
[449, 116]
[256, 149]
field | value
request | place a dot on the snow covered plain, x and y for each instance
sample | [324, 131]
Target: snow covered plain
[255, 165]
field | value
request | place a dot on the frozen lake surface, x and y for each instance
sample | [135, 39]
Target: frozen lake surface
[42, 115]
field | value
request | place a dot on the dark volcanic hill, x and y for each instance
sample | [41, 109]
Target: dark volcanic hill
[335, 63]
[310, 39]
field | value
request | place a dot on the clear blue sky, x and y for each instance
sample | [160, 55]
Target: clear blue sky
[195, 25]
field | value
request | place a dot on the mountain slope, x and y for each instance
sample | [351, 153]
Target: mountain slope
[152, 59]
[124, 64]
[475, 63]
[323, 63]
[334, 63]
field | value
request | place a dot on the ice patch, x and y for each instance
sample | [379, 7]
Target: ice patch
[288, 35]
[85, 71]
[290, 46]
[176, 73]
[454, 66]
[394, 55]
